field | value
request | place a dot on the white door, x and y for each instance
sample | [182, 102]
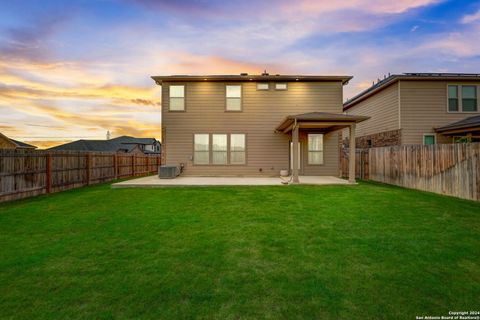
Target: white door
[299, 156]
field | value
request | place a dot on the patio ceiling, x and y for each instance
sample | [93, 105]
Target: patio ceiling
[319, 120]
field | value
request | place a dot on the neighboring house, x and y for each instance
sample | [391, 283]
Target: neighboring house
[123, 144]
[7, 143]
[418, 108]
[234, 125]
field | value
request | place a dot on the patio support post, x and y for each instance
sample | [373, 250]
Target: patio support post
[295, 153]
[351, 154]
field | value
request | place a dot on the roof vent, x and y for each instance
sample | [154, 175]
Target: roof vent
[244, 74]
[265, 73]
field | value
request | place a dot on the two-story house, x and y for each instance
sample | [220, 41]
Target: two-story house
[418, 108]
[242, 125]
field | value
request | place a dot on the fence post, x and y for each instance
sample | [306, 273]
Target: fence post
[49, 172]
[148, 165]
[115, 166]
[133, 165]
[88, 164]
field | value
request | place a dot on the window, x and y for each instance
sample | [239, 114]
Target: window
[219, 148]
[262, 86]
[452, 98]
[234, 98]
[469, 98]
[280, 86]
[428, 139]
[177, 98]
[237, 149]
[369, 143]
[315, 149]
[201, 149]
[462, 98]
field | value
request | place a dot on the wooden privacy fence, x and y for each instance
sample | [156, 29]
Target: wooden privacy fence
[361, 163]
[449, 169]
[29, 173]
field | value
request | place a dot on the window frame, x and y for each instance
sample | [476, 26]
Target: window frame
[208, 151]
[260, 83]
[241, 97]
[277, 83]
[460, 97]
[316, 151]
[457, 98]
[429, 134]
[230, 150]
[226, 151]
[184, 97]
[476, 97]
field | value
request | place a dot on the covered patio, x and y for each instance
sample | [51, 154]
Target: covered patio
[321, 122]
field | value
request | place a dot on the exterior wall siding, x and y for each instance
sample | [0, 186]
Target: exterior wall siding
[424, 107]
[267, 152]
[383, 110]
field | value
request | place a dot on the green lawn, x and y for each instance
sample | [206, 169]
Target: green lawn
[333, 252]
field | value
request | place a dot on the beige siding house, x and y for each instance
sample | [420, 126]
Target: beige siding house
[7, 143]
[413, 108]
[233, 125]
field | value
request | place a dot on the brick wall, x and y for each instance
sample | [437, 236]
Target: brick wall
[382, 139]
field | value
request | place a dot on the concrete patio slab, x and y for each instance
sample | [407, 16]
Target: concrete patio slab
[155, 181]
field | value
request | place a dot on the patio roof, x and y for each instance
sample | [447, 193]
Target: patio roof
[466, 125]
[319, 120]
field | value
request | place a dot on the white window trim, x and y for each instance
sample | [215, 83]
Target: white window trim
[317, 151]
[212, 151]
[267, 83]
[241, 97]
[429, 134]
[208, 151]
[184, 97]
[460, 102]
[230, 151]
[286, 86]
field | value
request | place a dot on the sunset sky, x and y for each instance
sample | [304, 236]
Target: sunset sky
[75, 69]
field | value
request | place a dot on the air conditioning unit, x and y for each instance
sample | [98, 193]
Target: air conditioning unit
[168, 172]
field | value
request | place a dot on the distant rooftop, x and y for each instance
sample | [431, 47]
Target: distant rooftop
[386, 81]
[247, 77]
[123, 143]
[18, 144]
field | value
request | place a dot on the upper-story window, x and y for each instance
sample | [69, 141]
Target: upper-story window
[262, 86]
[462, 98]
[280, 86]
[234, 97]
[469, 98]
[452, 98]
[177, 98]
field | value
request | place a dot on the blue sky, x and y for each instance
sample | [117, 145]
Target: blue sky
[75, 69]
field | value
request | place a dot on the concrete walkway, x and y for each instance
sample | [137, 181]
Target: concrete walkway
[155, 181]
